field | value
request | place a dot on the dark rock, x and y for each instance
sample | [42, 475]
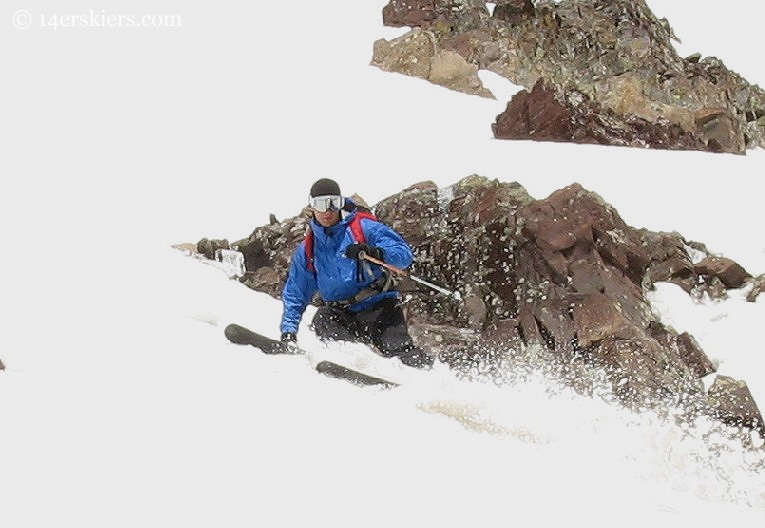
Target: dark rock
[513, 11]
[597, 317]
[268, 251]
[669, 259]
[445, 13]
[732, 274]
[694, 356]
[2, 366]
[732, 403]
[208, 247]
[409, 12]
[712, 287]
[671, 262]
[642, 373]
[535, 115]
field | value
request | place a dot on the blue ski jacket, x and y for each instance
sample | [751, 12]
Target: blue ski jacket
[336, 277]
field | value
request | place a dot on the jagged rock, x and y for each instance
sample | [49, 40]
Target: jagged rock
[610, 63]
[671, 262]
[208, 247]
[694, 356]
[415, 54]
[685, 345]
[535, 115]
[564, 277]
[713, 288]
[597, 317]
[2, 366]
[669, 259]
[267, 253]
[449, 69]
[409, 12]
[731, 402]
[446, 14]
[730, 273]
[549, 114]
[409, 54]
[758, 286]
[513, 11]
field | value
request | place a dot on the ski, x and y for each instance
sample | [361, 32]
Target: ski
[244, 336]
[333, 370]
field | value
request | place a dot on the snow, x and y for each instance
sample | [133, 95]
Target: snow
[122, 404]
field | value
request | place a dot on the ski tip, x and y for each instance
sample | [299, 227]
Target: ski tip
[237, 334]
[333, 370]
[240, 335]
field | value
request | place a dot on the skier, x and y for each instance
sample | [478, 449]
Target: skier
[359, 303]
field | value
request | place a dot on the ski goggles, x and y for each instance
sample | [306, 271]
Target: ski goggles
[326, 203]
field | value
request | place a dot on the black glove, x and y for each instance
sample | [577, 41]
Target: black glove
[354, 250]
[289, 337]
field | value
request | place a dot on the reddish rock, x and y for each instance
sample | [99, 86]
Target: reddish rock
[548, 113]
[597, 317]
[694, 356]
[409, 12]
[669, 259]
[535, 115]
[732, 403]
[732, 274]
[419, 13]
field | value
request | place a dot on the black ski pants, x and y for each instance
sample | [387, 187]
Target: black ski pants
[383, 326]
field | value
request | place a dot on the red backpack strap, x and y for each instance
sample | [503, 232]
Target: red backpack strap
[309, 251]
[358, 232]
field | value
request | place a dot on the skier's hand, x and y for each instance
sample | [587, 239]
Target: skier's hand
[354, 251]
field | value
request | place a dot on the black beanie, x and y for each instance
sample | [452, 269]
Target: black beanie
[325, 187]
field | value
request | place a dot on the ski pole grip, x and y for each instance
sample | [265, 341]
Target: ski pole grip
[390, 267]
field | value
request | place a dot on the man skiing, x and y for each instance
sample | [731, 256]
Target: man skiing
[358, 302]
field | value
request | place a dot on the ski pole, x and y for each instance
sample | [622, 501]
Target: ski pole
[398, 271]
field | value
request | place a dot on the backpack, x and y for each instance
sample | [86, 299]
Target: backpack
[356, 230]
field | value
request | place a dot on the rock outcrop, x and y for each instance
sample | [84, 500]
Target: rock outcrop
[562, 278]
[758, 286]
[549, 114]
[604, 71]
[415, 54]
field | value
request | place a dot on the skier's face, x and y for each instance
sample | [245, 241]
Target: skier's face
[328, 218]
